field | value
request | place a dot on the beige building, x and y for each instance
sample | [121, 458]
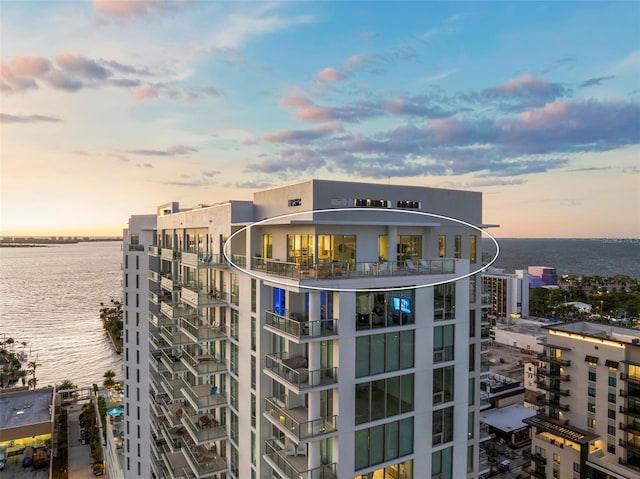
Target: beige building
[591, 425]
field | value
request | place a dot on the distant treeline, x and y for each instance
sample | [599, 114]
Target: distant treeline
[26, 241]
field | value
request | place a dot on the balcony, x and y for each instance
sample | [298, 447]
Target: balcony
[203, 428]
[173, 388]
[204, 364]
[539, 458]
[485, 401]
[630, 444]
[320, 271]
[170, 282]
[633, 393]
[294, 372]
[630, 411]
[560, 376]
[293, 326]
[153, 251]
[175, 462]
[555, 360]
[171, 360]
[633, 379]
[170, 254]
[174, 337]
[484, 431]
[632, 427]
[553, 404]
[203, 461]
[204, 260]
[294, 421]
[200, 397]
[159, 320]
[200, 332]
[195, 295]
[553, 388]
[290, 464]
[171, 412]
[484, 465]
[176, 311]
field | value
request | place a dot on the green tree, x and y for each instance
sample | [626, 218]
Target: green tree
[109, 381]
[66, 384]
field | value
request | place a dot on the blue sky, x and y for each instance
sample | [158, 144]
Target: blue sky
[110, 108]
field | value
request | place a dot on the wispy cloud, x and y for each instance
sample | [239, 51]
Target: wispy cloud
[7, 118]
[596, 81]
[304, 136]
[175, 150]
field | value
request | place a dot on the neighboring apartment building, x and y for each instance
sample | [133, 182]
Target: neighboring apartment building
[315, 345]
[135, 284]
[591, 425]
[509, 294]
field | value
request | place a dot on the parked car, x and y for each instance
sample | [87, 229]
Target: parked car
[27, 458]
[98, 469]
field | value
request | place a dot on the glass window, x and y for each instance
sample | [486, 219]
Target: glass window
[444, 301]
[611, 413]
[391, 441]
[592, 376]
[473, 249]
[457, 246]
[267, 246]
[383, 248]
[611, 430]
[377, 356]
[442, 463]
[409, 247]
[362, 449]
[443, 384]
[611, 397]
[362, 356]
[442, 426]
[442, 246]
[443, 343]
[376, 445]
[591, 392]
[613, 381]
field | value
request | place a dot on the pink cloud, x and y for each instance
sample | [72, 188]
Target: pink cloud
[133, 8]
[10, 83]
[551, 112]
[299, 136]
[145, 93]
[314, 113]
[330, 75]
[30, 66]
[79, 65]
[355, 61]
[527, 80]
[295, 101]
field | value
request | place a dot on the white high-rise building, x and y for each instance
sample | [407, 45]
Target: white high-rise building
[135, 298]
[325, 329]
[509, 294]
[591, 425]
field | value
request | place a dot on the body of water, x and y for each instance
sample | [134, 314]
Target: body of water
[585, 257]
[50, 297]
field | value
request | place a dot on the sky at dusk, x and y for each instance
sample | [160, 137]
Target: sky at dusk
[110, 108]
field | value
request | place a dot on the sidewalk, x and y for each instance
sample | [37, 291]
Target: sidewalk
[79, 455]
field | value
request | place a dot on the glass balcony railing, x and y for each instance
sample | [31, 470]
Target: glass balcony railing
[198, 296]
[299, 427]
[203, 428]
[203, 396]
[200, 332]
[289, 467]
[316, 271]
[294, 371]
[204, 364]
[292, 325]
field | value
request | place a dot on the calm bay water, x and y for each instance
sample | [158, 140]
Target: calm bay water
[586, 257]
[50, 297]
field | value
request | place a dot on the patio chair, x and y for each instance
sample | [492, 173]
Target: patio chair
[410, 266]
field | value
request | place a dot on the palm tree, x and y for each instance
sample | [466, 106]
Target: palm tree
[33, 382]
[109, 379]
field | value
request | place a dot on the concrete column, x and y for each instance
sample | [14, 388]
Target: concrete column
[392, 252]
[314, 316]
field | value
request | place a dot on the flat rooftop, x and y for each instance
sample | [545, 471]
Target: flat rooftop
[508, 418]
[25, 408]
[599, 330]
